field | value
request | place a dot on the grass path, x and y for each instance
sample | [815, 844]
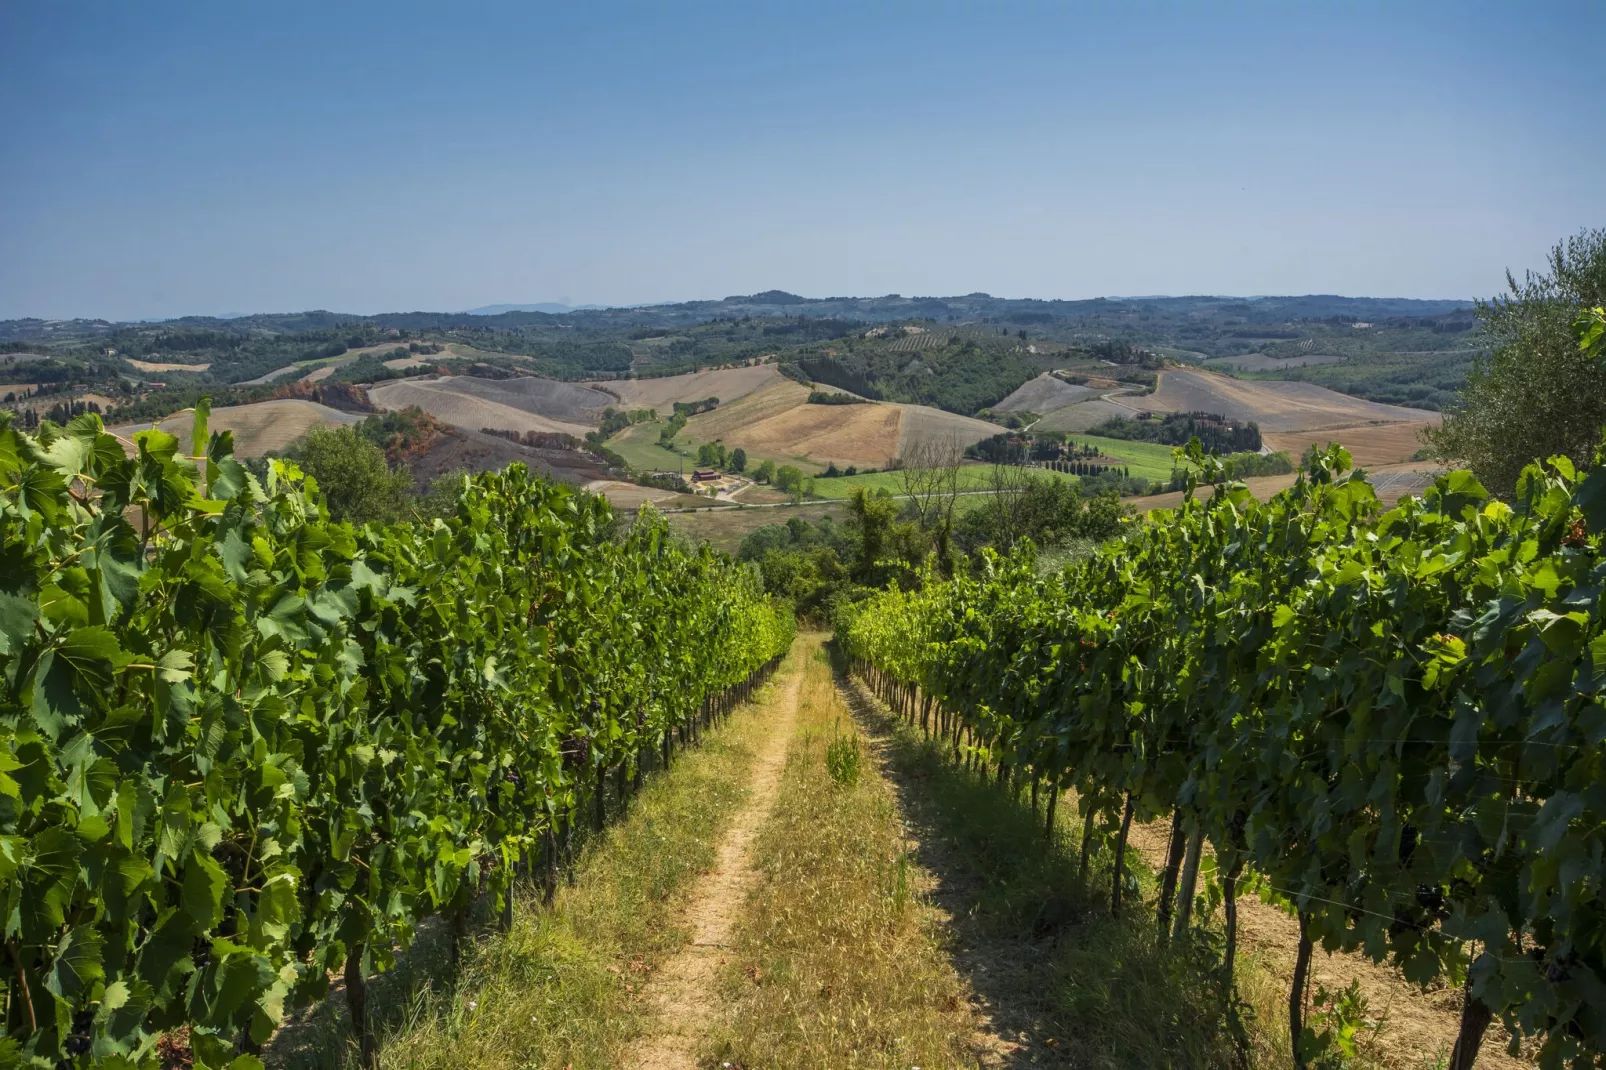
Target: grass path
[841, 959]
[682, 994]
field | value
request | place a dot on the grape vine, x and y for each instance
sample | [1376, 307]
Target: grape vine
[242, 746]
[1392, 716]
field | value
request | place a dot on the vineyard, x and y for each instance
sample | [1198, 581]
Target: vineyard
[1389, 721]
[245, 750]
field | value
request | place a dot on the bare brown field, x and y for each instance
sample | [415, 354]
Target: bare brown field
[726, 384]
[844, 434]
[265, 427]
[1275, 406]
[161, 366]
[1044, 394]
[1368, 444]
[551, 398]
[922, 424]
[761, 405]
[462, 402]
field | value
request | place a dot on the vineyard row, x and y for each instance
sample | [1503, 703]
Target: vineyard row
[1393, 717]
[243, 748]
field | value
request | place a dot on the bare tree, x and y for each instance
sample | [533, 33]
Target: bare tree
[929, 474]
[1007, 503]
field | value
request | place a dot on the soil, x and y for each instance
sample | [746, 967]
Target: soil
[1369, 444]
[475, 451]
[455, 403]
[684, 991]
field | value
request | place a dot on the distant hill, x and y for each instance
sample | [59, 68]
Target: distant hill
[549, 307]
[971, 308]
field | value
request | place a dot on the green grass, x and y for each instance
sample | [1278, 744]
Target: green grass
[1149, 460]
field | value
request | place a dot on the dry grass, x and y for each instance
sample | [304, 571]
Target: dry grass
[264, 427]
[839, 962]
[726, 384]
[1045, 394]
[163, 366]
[563, 988]
[1274, 405]
[922, 424]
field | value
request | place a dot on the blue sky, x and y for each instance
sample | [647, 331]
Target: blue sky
[162, 159]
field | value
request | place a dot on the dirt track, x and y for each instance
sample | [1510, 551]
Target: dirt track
[683, 994]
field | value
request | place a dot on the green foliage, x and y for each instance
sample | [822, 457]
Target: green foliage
[1048, 511]
[1537, 394]
[1390, 715]
[842, 756]
[738, 460]
[829, 397]
[1215, 433]
[789, 478]
[241, 742]
[358, 485]
[765, 473]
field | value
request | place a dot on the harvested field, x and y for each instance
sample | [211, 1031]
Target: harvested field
[408, 362]
[319, 374]
[1275, 406]
[761, 405]
[160, 366]
[922, 424]
[1044, 394]
[1368, 444]
[844, 434]
[566, 402]
[726, 384]
[458, 401]
[1083, 416]
[1259, 362]
[265, 427]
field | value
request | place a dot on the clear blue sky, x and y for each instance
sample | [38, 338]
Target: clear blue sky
[161, 158]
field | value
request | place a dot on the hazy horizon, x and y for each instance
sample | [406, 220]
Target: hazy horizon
[203, 160]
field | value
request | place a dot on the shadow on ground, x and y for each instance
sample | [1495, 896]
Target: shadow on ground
[1060, 980]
